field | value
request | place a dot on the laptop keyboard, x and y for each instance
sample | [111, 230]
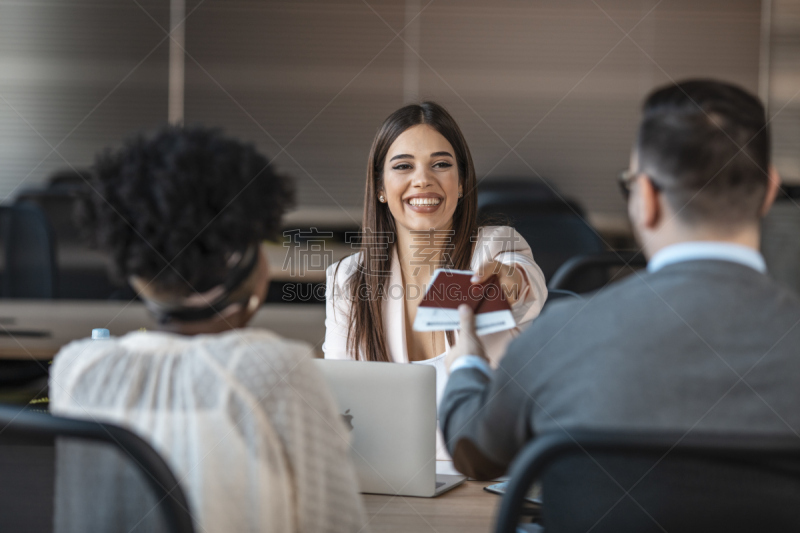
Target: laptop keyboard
[439, 484]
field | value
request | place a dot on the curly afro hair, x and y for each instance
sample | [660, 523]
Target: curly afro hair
[172, 207]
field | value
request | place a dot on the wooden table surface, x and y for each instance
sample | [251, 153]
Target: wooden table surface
[38, 329]
[465, 509]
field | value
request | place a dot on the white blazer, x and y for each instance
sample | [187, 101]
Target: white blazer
[500, 243]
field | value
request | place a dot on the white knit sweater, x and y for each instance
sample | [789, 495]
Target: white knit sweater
[242, 418]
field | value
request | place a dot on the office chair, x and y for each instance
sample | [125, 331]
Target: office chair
[589, 272]
[29, 271]
[61, 474]
[661, 481]
[555, 228]
[499, 191]
[82, 272]
[29, 249]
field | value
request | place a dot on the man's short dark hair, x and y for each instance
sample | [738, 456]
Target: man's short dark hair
[706, 143]
[174, 206]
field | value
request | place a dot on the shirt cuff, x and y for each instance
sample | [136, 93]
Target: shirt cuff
[471, 361]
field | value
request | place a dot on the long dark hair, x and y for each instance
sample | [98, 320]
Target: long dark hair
[367, 284]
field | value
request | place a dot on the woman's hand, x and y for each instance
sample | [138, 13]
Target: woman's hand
[509, 278]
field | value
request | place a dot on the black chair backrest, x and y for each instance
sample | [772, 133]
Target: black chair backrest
[499, 192]
[30, 269]
[46, 461]
[58, 205]
[83, 272]
[555, 228]
[604, 481]
[589, 272]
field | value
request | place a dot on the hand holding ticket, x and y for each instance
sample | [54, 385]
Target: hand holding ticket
[438, 310]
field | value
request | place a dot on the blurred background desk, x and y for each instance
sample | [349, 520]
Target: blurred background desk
[38, 329]
[464, 509]
[52, 262]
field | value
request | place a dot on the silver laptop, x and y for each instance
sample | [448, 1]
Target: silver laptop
[390, 410]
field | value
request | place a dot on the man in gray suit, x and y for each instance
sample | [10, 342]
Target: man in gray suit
[703, 340]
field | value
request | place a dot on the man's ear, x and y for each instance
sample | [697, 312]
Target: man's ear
[773, 186]
[647, 203]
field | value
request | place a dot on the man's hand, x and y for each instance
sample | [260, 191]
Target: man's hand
[468, 342]
[509, 278]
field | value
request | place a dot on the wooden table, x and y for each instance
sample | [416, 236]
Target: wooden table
[38, 329]
[465, 509]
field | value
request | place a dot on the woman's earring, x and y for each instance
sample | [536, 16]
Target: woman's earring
[381, 199]
[460, 194]
[252, 304]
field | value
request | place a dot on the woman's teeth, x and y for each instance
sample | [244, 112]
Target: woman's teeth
[425, 201]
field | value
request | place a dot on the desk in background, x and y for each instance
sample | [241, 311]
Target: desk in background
[38, 329]
[296, 263]
[465, 509]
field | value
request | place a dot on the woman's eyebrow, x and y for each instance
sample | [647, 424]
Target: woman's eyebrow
[439, 154]
[402, 156]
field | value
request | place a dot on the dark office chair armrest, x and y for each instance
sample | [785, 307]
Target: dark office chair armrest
[531, 462]
[32, 428]
[578, 266]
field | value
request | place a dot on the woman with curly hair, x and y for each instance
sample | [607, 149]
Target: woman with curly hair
[242, 416]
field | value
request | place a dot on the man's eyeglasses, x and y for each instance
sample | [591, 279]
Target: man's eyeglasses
[626, 179]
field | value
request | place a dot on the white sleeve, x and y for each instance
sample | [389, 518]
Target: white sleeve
[534, 293]
[296, 401]
[471, 361]
[504, 245]
[337, 312]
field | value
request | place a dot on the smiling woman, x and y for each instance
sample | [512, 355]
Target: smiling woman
[420, 214]
[422, 190]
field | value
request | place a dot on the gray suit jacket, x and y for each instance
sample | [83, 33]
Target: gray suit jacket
[706, 345]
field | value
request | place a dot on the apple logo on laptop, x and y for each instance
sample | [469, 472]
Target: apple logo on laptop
[348, 420]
